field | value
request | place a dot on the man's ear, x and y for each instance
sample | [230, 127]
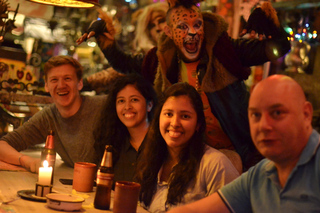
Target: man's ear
[149, 106]
[308, 111]
[80, 85]
[46, 86]
[167, 31]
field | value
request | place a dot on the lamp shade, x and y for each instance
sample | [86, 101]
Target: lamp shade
[69, 3]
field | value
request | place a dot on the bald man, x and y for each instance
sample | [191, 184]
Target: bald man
[288, 180]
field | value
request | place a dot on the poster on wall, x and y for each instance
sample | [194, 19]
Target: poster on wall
[17, 77]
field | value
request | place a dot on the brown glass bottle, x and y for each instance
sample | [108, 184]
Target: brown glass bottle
[48, 153]
[105, 176]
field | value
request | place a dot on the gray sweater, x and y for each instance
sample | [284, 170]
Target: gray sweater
[74, 136]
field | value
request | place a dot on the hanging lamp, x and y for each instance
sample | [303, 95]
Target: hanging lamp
[69, 3]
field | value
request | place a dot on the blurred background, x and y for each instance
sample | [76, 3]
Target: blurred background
[31, 33]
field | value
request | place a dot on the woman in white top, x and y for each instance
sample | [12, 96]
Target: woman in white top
[175, 166]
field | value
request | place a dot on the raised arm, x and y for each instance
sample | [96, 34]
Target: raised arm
[104, 32]
[100, 81]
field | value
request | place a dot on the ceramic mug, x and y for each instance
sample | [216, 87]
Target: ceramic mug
[83, 176]
[126, 195]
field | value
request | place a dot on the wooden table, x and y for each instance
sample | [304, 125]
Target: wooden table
[13, 181]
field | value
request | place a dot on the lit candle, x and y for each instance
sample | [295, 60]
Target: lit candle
[45, 174]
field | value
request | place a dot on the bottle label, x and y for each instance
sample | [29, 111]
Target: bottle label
[104, 178]
[51, 159]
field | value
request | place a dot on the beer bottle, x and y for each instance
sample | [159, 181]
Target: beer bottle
[104, 181]
[48, 153]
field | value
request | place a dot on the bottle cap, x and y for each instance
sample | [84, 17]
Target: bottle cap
[109, 148]
[51, 132]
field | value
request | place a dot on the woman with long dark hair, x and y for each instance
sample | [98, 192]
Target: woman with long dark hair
[175, 166]
[125, 122]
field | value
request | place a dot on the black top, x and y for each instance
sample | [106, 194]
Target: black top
[125, 166]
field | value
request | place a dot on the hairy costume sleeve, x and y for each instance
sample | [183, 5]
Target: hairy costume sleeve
[121, 61]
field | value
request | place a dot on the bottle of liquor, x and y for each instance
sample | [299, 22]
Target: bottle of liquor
[48, 153]
[105, 176]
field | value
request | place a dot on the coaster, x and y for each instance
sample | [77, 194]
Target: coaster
[30, 195]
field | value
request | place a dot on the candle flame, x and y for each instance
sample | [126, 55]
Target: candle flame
[45, 163]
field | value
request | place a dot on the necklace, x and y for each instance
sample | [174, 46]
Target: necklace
[197, 86]
[192, 77]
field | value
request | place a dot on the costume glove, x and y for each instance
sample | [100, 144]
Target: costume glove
[103, 30]
[264, 21]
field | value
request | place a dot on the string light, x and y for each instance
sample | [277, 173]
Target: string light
[302, 34]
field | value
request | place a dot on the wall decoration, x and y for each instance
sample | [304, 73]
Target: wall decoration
[15, 75]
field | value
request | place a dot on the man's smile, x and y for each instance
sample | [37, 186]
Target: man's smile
[62, 93]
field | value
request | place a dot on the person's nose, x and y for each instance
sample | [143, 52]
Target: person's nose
[265, 122]
[192, 32]
[161, 26]
[61, 83]
[157, 26]
[128, 105]
[175, 121]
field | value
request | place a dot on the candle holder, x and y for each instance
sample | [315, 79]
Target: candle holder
[42, 190]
